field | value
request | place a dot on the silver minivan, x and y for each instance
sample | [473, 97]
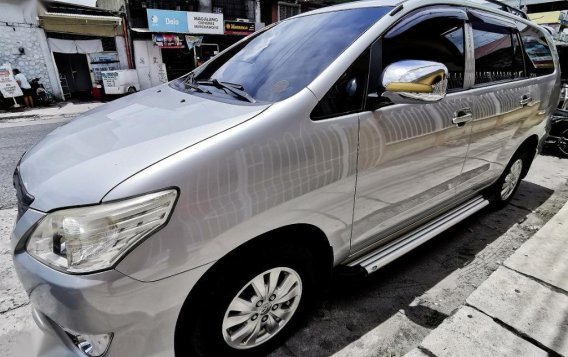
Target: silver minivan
[203, 216]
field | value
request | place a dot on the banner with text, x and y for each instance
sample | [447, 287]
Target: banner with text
[8, 85]
[205, 23]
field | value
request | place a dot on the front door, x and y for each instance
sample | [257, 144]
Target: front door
[411, 155]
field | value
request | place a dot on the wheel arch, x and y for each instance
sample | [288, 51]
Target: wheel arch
[300, 235]
[529, 145]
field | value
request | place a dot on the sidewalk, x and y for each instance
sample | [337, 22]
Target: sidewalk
[58, 110]
[520, 310]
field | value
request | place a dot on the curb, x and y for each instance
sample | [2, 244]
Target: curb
[519, 310]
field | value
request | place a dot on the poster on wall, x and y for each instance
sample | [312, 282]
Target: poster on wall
[8, 85]
[193, 41]
[563, 17]
[165, 40]
[103, 61]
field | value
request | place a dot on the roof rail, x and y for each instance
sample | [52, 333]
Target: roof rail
[507, 8]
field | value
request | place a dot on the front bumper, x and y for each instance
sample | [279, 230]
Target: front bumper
[141, 315]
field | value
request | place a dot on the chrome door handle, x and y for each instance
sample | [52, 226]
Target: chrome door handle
[525, 100]
[462, 116]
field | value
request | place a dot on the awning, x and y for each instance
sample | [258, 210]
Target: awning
[140, 29]
[542, 18]
[89, 25]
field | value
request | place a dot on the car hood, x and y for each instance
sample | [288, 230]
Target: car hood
[80, 162]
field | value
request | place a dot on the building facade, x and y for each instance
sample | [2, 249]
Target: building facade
[83, 41]
[23, 43]
[171, 38]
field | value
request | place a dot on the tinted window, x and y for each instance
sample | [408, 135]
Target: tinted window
[282, 60]
[518, 58]
[494, 53]
[538, 56]
[348, 94]
[439, 40]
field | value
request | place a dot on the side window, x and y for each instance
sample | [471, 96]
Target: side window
[538, 55]
[494, 53]
[347, 95]
[436, 39]
[518, 57]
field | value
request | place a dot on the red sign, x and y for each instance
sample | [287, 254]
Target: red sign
[166, 40]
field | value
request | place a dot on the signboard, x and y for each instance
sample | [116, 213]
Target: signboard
[184, 22]
[103, 61]
[167, 21]
[110, 79]
[205, 23]
[165, 40]
[8, 85]
[239, 28]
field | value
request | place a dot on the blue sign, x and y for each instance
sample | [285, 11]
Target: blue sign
[167, 21]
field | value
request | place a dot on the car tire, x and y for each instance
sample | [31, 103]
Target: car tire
[222, 324]
[504, 189]
[562, 144]
[131, 90]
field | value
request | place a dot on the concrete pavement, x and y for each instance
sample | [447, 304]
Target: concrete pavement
[520, 310]
[60, 110]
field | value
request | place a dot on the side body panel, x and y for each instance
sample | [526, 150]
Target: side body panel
[277, 169]
[501, 124]
[410, 160]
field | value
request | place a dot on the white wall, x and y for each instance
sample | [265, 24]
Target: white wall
[149, 66]
[22, 31]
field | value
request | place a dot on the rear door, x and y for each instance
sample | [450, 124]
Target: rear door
[507, 99]
[411, 155]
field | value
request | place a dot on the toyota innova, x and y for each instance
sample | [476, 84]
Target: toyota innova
[201, 217]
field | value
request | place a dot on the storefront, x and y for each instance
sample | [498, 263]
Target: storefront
[83, 45]
[182, 40]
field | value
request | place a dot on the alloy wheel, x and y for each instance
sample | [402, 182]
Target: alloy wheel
[512, 179]
[262, 308]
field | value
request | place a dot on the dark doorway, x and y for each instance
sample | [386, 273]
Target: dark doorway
[75, 69]
[178, 61]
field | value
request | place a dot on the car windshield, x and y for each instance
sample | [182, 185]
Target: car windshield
[280, 61]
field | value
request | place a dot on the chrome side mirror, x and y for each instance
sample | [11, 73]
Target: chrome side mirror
[414, 81]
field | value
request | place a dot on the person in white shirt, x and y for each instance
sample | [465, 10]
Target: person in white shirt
[25, 86]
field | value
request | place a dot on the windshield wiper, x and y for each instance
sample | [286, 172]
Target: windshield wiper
[196, 87]
[190, 82]
[236, 89]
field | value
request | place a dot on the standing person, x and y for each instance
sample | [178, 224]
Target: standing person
[25, 86]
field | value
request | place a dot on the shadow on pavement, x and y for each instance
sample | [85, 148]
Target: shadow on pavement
[355, 307]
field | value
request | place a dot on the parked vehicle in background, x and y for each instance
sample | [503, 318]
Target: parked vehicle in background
[119, 82]
[558, 138]
[203, 217]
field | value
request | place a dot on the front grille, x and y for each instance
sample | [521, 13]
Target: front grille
[24, 198]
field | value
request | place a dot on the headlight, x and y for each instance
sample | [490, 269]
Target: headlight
[88, 239]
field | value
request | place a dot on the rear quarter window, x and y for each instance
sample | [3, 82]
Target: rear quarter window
[539, 60]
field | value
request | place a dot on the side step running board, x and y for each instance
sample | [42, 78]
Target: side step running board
[376, 259]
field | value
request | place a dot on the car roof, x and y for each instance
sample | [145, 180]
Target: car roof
[480, 4]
